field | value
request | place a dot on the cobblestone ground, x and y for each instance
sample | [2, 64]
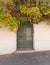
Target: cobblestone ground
[35, 58]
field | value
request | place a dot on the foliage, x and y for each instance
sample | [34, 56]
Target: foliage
[32, 13]
[35, 13]
[45, 8]
[23, 11]
[6, 19]
[10, 4]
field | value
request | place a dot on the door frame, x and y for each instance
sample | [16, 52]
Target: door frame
[32, 38]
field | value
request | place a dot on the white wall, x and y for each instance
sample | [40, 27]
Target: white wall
[41, 36]
[41, 39]
[7, 41]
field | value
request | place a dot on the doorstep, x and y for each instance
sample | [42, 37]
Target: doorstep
[28, 51]
[25, 51]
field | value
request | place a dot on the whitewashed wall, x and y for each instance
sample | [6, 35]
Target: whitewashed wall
[41, 39]
[41, 36]
[7, 41]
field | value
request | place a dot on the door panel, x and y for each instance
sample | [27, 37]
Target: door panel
[25, 37]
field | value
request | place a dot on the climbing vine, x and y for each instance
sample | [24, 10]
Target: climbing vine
[6, 19]
[36, 12]
[15, 12]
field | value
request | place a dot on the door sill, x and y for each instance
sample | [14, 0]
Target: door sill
[24, 51]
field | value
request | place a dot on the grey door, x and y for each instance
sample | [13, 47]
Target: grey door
[25, 37]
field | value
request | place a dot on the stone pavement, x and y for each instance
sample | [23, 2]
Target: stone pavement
[34, 58]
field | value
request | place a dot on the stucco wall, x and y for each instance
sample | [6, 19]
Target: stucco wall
[41, 36]
[41, 39]
[7, 41]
